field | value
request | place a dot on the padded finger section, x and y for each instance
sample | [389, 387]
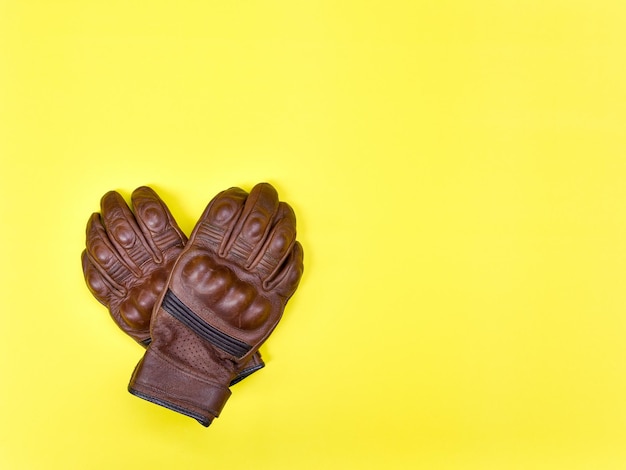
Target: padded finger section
[253, 225]
[215, 224]
[124, 232]
[154, 218]
[137, 308]
[101, 288]
[230, 298]
[136, 311]
[134, 315]
[279, 242]
[104, 254]
[289, 274]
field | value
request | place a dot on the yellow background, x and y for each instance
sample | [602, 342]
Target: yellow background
[457, 169]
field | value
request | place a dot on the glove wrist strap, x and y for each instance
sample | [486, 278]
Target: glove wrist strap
[159, 380]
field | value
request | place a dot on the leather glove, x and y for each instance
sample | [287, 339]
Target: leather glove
[225, 295]
[128, 257]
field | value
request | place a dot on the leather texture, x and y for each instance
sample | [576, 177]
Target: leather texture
[130, 252]
[226, 293]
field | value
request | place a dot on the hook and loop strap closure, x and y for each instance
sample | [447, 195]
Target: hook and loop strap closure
[175, 307]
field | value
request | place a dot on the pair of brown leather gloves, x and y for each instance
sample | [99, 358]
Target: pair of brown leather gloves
[202, 307]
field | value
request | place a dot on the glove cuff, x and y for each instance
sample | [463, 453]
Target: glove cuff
[255, 363]
[159, 380]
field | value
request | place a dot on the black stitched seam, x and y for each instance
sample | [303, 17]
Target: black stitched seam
[175, 307]
[245, 373]
[203, 420]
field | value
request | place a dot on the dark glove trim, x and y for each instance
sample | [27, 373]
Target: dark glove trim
[166, 404]
[246, 372]
[175, 307]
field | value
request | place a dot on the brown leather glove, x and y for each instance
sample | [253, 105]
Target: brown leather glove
[129, 257]
[225, 295]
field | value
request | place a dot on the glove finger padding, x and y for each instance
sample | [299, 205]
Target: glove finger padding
[225, 295]
[129, 255]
